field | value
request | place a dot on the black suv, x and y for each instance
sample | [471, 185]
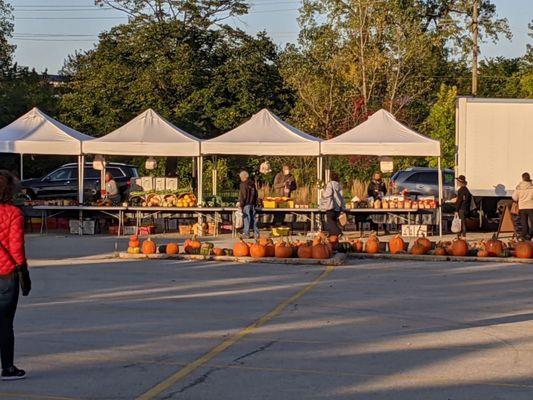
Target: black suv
[421, 181]
[63, 182]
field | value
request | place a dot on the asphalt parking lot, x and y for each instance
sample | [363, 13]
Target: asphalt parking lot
[102, 329]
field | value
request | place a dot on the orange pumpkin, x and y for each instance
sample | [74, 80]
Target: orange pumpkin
[396, 245]
[372, 245]
[483, 253]
[283, 250]
[265, 241]
[133, 243]
[494, 247]
[257, 250]
[425, 243]
[418, 249]
[524, 250]
[320, 251]
[217, 251]
[305, 251]
[440, 251]
[134, 238]
[459, 248]
[270, 250]
[148, 247]
[333, 240]
[241, 249]
[357, 246]
[190, 246]
[173, 248]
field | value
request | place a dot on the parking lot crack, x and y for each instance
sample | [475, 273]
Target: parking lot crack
[258, 350]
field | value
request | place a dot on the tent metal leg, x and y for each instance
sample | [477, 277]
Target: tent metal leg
[440, 195]
[214, 176]
[21, 167]
[81, 179]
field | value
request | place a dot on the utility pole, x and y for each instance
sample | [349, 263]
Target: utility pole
[475, 33]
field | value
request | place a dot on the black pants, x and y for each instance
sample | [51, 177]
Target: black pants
[463, 214]
[9, 296]
[332, 223]
[526, 220]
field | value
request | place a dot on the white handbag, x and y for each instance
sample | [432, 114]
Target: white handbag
[239, 220]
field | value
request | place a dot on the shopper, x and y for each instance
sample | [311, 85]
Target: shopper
[111, 188]
[523, 194]
[463, 203]
[13, 272]
[377, 188]
[284, 182]
[248, 203]
[332, 203]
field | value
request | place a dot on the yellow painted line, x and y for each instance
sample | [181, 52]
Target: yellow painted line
[199, 362]
[34, 396]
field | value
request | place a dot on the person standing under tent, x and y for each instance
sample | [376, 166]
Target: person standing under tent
[111, 188]
[523, 194]
[248, 203]
[14, 275]
[376, 188]
[463, 203]
[332, 203]
[284, 185]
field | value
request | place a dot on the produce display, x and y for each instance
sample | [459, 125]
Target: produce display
[55, 202]
[395, 202]
[163, 199]
[278, 202]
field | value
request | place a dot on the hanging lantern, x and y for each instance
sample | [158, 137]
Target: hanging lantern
[99, 163]
[151, 163]
[264, 168]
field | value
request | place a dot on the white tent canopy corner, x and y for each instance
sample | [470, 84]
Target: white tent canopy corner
[37, 133]
[264, 134]
[148, 134]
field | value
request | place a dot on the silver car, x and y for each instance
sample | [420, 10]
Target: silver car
[421, 181]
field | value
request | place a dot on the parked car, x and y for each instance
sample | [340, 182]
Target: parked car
[63, 182]
[420, 181]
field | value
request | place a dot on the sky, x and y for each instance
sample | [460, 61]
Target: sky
[47, 31]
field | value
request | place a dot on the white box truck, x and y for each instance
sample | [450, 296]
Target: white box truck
[494, 146]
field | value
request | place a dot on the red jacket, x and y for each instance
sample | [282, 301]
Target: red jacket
[12, 238]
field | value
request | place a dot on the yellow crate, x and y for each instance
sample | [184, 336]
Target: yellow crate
[269, 204]
[281, 231]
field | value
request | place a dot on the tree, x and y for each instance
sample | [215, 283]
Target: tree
[204, 80]
[191, 12]
[440, 125]
[6, 29]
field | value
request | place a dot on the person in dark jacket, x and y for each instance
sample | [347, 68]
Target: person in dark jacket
[247, 203]
[463, 202]
[284, 182]
[377, 188]
[13, 272]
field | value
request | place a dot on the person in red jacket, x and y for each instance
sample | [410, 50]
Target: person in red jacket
[13, 272]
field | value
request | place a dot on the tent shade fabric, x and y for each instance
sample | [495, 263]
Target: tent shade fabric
[381, 135]
[37, 133]
[148, 134]
[264, 134]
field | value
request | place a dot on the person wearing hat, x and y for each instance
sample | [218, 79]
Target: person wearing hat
[247, 203]
[463, 202]
[523, 194]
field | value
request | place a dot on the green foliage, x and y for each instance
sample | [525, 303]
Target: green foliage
[440, 125]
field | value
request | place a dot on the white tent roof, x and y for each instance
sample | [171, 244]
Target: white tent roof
[381, 135]
[37, 133]
[264, 134]
[148, 134]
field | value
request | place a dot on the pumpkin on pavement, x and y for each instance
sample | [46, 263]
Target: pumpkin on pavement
[320, 251]
[440, 251]
[134, 241]
[425, 243]
[192, 246]
[257, 250]
[283, 250]
[305, 251]
[418, 249]
[217, 251]
[148, 247]
[372, 245]
[241, 249]
[172, 248]
[524, 250]
[396, 245]
[357, 246]
[483, 253]
[494, 247]
[459, 248]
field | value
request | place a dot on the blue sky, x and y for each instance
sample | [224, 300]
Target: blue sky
[46, 31]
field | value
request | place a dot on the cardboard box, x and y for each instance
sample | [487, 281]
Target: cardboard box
[160, 184]
[87, 227]
[130, 230]
[171, 183]
[146, 230]
[414, 230]
[147, 183]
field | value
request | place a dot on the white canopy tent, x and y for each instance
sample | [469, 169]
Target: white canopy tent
[148, 134]
[37, 133]
[383, 135]
[264, 134]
